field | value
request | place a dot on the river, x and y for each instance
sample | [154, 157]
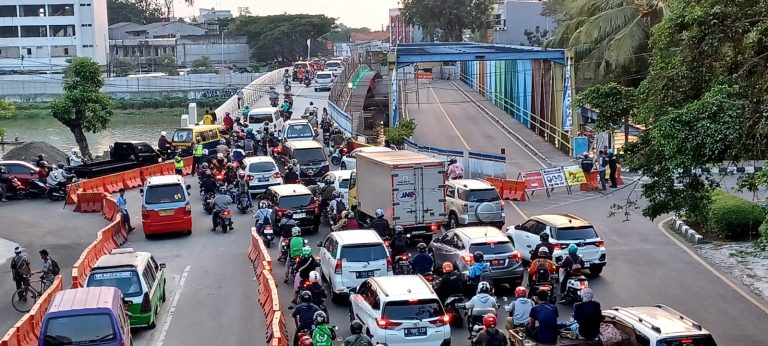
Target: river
[122, 128]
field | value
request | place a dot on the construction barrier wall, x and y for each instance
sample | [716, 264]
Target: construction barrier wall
[476, 164]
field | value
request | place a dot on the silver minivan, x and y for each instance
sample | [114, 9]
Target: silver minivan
[347, 258]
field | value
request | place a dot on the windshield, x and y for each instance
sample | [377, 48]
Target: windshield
[298, 131]
[302, 65]
[312, 155]
[79, 330]
[332, 64]
[184, 135]
[363, 253]
[482, 196]
[297, 201]
[576, 233]
[324, 76]
[261, 167]
[492, 248]
[126, 281]
[344, 184]
[259, 118]
[161, 194]
[703, 340]
[421, 309]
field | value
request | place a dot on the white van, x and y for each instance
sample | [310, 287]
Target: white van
[258, 116]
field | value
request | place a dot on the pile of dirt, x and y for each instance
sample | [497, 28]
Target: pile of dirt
[29, 151]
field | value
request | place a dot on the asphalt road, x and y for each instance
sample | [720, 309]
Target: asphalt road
[644, 266]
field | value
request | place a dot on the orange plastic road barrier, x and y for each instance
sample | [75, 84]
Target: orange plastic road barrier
[619, 181]
[187, 170]
[168, 168]
[253, 249]
[109, 208]
[593, 183]
[72, 190]
[93, 185]
[513, 190]
[113, 182]
[27, 330]
[89, 202]
[106, 241]
[131, 178]
[497, 183]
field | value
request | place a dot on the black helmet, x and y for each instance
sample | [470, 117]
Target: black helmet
[320, 317]
[452, 160]
[60, 165]
[422, 247]
[41, 156]
[478, 256]
[544, 237]
[356, 327]
[305, 297]
[289, 214]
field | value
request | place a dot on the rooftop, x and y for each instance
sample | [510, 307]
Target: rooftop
[669, 321]
[482, 233]
[85, 298]
[290, 189]
[165, 180]
[472, 184]
[360, 236]
[122, 259]
[562, 220]
[413, 286]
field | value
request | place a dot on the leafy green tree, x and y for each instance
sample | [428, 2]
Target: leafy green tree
[136, 11]
[553, 9]
[609, 38]
[202, 65]
[447, 20]
[282, 36]
[123, 67]
[167, 64]
[705, 100]
[397, 135]
[615, 104]
[83, 107]
[343, 33]
[7, 109]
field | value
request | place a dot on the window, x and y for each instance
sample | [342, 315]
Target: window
[259, 118]
[151, 275]
[298, 131]
[8, 11]
[126, 281]
[576, 233]
[79, 330]
[62, 51]
[9, 31]
[34, 31]
[481, 196]
[330, 246]
[344, 184]
[86, 25]
[363, 253]
[182, 135]
[309, 156]
[29, 51]
[421, 309]
[61, 10]
[87, 46]
[32, 10]
[492, 248]
[373, 299]
[296, 201]
[261, 167]
[62, 30]
[18, 169]
[450, 192]
[162, 194]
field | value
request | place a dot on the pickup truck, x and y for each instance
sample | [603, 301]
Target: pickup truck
[123, 156]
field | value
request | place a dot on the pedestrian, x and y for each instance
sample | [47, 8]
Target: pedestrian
[587, 164]
[240, 96]
[213, 114]
[123, 205]
[207, 118]
[178, 164]
[197, 155]
[613, 166]
[602, 163]
[20, 270]
[50, 269]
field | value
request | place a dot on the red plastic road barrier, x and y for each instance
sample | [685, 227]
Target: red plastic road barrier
[132, 178]
[508, 189]
[72, 190]
[277, 333]
[89, 202]
[187, 170]
[93, 185]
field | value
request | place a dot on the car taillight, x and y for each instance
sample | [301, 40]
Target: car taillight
[343, 150]
[187, 208]
[443, 320]
[583, 284]
[600, 243]
[515, 256]
[276, 175]
[557, 246]
[249, 177]
[469, 260]
[384, 323]
[686, 341]
[389, 264]
[219, 177]
[146, 304]
[387, 243]
[465, 207]
[337, 270]
[144, 212]
[434, 227]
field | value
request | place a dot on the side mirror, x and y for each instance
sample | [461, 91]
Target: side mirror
[141, 192]
[162, 265]
[319, 244]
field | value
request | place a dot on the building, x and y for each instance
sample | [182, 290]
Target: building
[42, 34]
[514, 17]
[212, 15]
[119, 31]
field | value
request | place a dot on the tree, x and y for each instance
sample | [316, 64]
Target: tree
[609, 38]
[613, 102]
[447, 20]
[6, 111]
[136, 11]
[123, 67]
[83, 107]
[168, 65]
[168, 6]
[705, 101]
[281, 36]
[343, 33]
[202, 65]
[553, 9]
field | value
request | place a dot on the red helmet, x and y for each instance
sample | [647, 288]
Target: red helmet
[241, 175]
[489, 320]
[305, 341]
[521, 292]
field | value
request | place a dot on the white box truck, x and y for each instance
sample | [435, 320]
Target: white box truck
[408, 186]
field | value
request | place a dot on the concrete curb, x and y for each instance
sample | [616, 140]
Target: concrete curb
[687, 232]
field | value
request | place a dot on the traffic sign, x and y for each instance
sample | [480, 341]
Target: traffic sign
[574, 175]
[423, 75]
[554, 177]
[533, 180]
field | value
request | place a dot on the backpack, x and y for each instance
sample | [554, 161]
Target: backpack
[18, 269]
[542, 272]
[340, 206]
[399, 242]
[55, 267]
[494, 339]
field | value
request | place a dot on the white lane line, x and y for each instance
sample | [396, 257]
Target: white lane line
[448, 118]
[518, 210]
[714, 271]
[171, 311]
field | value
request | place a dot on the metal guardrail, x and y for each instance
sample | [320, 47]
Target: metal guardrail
[252, 92]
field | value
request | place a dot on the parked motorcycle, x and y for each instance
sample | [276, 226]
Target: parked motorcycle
[224, 220]
[268, 235]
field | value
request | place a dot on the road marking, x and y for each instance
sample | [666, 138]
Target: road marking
[171, 311]
[518, 210]
[696, 257]
[448, 118]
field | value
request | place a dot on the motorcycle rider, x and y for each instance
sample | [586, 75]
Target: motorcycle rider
[338, 206]
[286, 77]
[230, 174]
[588, 314]
[455, 169]
[326, 194]
[291, 177]
[310, 109]
[221, 202]
[323, 335]
[315, 287]
[58, 178]
[263, 216]
[219, 164]
[568, 264]
[238, 154]
[519, 309]
[480, 270]
[399, 242]
[163, 144]
[544, 238]
[40, 160]
[357, 338]
[545, 315]
[422, 263]
[304, 315]
[337, 137]
[74, 158]
[380, 224]
[482, 303]
[490, 336]
[344, 223]
[243, 187]
[285, 106]
[541, 270]
[208, 185]
[273, 95]
[449, 284]
[285, 227]
[306, 264]
[222, 148]
[295, 246]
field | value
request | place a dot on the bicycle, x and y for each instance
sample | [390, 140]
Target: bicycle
[25, 298]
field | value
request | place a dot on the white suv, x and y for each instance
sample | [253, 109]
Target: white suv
[473, 201]
[261, 172]
[347, 258]
[658, 325]
[401, 310]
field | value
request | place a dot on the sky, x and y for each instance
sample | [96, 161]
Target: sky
[352, 13]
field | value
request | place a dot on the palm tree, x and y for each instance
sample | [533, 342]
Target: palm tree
[609, 38]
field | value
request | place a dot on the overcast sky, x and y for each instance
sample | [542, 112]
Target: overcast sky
[353, 13]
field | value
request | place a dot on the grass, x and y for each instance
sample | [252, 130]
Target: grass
[159, 112]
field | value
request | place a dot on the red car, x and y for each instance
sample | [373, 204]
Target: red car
[25, 172]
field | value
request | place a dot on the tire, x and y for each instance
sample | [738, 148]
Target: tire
[189, 232]
[596, 270]
[315, 89]
[152, 324]
[453, 221]
[20, 194]
[24, 306]
[335, 160]
[343, 166]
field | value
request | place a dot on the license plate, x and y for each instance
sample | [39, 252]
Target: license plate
[364, 275]
[420, 331]
[299, 215]
[166, 212]
[497, 263]
[262, 180]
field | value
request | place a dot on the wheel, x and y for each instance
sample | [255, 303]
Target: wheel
[20, 194]
[335, 160]
[315, 89]
[189, 232]
[343, 166]
[453, 221]
[457, 321]
[147, 236]
[162, 296]
[268, 244]
[596, 270]
[24, 305]
[153, 324]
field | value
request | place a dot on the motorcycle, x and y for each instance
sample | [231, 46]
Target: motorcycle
[224, 220]
[474, 321]
[575, 284]
[338, 154]
[54, 192]
[326, 138]
[244, 203]
[431, 278]
[307, 82]
[208, 203]
[268, 235]
[219, 177]
[283, 249]
[450, 308]
[401, 266]
[12, 187]
[287, 87]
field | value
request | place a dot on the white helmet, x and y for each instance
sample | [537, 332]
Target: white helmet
[163, 133]
[295, 231]
[483, 287]
[314, 276]
[220, 156]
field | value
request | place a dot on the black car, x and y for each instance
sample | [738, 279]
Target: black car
[309, 156]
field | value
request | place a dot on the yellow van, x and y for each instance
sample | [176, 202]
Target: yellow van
[210, 135]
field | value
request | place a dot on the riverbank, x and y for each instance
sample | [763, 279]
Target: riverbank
[119, 113]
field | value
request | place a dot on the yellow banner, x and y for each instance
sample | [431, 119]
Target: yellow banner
[574, 175]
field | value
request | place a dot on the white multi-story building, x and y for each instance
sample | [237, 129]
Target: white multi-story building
[43, 34]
